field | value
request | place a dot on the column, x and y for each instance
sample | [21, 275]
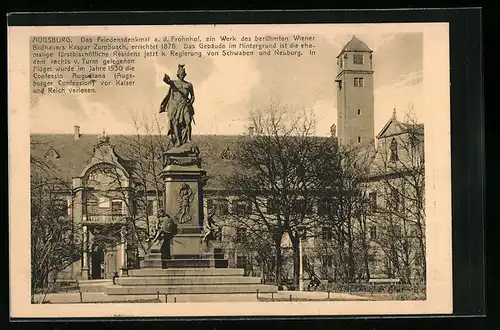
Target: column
[85, 268]
[123, 253]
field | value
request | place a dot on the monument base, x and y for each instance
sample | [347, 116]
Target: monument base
[186, 251]
[151, 281]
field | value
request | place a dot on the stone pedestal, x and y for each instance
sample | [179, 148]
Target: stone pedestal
[183, 201]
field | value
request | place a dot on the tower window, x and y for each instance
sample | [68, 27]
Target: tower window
[358, 58]
[359, 111]
[341, 62]
[359, 82]
[359, 139]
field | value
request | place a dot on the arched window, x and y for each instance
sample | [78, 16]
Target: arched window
[394, 151]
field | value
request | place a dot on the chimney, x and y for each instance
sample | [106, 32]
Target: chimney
[76, 132]
[251, 130]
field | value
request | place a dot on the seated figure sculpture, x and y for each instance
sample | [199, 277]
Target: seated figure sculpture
[162, 233]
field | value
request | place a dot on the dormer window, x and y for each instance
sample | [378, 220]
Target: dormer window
[51, 154]
[393, 151]
[358, 59]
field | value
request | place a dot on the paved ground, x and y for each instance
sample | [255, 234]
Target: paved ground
[308, 296]
[99, 297]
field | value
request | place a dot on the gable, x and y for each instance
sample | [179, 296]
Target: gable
[391, 128]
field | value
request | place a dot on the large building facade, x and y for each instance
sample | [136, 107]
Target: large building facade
[114, 190]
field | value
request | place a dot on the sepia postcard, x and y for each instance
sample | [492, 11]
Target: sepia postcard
[230, 170]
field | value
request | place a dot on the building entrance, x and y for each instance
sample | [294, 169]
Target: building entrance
[97, 262]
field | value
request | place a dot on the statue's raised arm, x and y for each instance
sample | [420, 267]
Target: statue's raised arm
[178, 104]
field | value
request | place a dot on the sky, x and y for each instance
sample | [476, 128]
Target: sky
[227, 88]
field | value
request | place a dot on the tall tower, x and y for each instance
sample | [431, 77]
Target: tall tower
[355, 100]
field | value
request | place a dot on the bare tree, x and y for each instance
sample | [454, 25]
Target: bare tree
[276, 174]
[132, 183]
[54, 244]
[344, 209]
[400, 179]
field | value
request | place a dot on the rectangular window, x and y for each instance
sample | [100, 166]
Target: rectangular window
[327, 261]
[62, 206]
[359, 82]
[242, 207]
[323, 207]
[359, 112]
[116, 208]
[395, 199]
[359, 139]
[358, 58]
[150, 207]
[240, 234]
[326, 233]
[372, 199]
[397, 231]
[222, 207]
[239, 208]
[92, 206]
[373, 232]
[300, 206]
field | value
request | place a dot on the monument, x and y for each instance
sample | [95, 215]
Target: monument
[184, 256]
[183, 186]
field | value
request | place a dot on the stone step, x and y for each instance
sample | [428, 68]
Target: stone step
[156, 256]
[190, 280]
[186, 263]
[189, 289]
[94, 285]
[156, 272]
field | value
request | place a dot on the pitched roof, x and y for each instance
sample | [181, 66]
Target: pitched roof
[395, 127]
[75, 154]
[355, 45]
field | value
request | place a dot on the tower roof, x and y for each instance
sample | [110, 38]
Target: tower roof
[355, 45]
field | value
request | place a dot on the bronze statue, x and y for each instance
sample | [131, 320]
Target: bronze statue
[165, 230]
[178, 104]
[212, 230]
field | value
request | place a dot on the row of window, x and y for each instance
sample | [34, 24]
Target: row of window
[95, 206]
[220, 206]
[327, 233]
[358, 82]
